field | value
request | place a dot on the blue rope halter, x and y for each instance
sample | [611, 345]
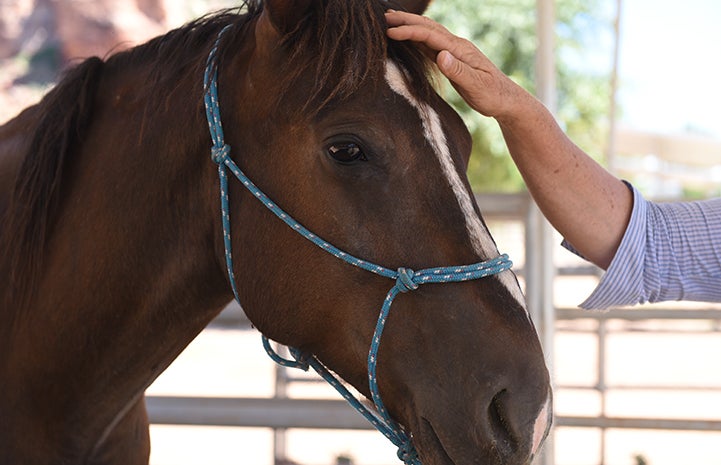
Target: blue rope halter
[406, 280]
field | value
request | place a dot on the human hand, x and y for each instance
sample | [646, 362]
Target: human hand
[481, 84]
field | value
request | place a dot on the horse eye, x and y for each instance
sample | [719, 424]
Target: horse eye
[347, 152]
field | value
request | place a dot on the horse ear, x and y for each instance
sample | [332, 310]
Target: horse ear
[286, 14]
[414, 6]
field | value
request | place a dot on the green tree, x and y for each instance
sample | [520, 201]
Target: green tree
[505, 31]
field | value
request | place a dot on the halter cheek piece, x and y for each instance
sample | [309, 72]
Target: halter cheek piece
[406, 280]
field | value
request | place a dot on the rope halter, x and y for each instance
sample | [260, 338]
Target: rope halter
[406, 279]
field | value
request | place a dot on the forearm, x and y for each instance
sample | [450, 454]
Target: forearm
[584, 202]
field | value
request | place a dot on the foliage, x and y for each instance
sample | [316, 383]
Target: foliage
[505, 31]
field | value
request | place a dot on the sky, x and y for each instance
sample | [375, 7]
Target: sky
[670, 65]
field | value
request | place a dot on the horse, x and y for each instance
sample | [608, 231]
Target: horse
[114, 246]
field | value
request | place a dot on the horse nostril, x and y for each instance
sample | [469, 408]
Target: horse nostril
[501, 426]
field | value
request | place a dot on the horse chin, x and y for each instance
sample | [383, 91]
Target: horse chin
[437, 449]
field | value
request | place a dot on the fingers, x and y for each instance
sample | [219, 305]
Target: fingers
[435, 37]
[398, 18]
[475, 77]
[407, 26]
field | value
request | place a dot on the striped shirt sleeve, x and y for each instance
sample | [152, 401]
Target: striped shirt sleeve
[670, 251]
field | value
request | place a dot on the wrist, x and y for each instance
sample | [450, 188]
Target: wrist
[520, 107]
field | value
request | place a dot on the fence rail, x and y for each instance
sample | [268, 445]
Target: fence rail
[337, 414]
[265, 412]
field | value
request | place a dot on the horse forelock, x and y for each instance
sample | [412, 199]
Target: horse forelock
[341, 45]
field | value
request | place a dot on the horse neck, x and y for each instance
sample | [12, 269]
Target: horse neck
[131, 272]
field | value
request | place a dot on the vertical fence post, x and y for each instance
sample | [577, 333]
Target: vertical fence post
[539, 234]
[280, 452]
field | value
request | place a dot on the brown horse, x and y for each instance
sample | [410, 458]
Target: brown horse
[112, 256]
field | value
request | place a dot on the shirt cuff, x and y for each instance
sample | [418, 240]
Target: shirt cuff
[622, 283]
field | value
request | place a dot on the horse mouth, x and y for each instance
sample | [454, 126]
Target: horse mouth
[432, 444]
[435, 451]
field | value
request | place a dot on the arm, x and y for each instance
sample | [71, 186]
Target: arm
[583, 201]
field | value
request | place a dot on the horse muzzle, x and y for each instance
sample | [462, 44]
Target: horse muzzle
[500, 433]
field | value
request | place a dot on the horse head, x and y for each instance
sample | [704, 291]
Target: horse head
[118, 245]
[343, 129]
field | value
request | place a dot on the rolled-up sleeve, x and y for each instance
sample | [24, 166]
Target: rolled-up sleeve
[670, 251]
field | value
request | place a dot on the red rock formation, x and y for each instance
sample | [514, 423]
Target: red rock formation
[77, 28]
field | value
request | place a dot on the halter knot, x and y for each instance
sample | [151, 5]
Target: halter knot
[301, 358]
[219, 153]
[407, 453]
[405, 282]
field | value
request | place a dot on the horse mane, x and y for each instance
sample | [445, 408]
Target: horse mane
[67, 111]
[347, 37]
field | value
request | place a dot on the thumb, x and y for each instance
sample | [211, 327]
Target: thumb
[449, 65]
[464, 79]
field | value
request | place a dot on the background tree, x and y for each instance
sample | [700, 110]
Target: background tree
[505, 31]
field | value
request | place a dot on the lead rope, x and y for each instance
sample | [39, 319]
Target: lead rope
[406, 279]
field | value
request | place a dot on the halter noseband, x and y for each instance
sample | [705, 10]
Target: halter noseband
[405, 279]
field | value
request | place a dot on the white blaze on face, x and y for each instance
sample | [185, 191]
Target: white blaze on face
[433, 131]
